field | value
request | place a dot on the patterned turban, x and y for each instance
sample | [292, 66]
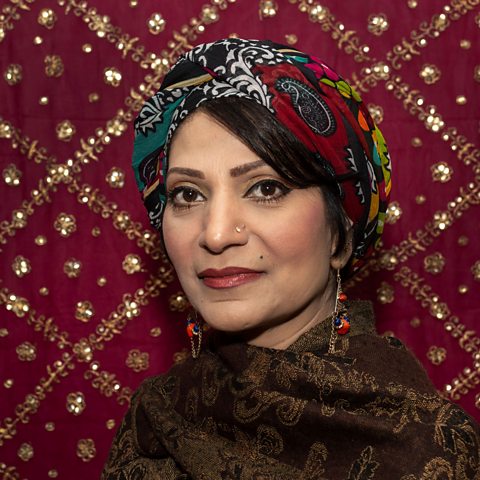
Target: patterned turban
[304, 94]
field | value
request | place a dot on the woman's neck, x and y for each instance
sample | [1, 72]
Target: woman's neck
[282, 335]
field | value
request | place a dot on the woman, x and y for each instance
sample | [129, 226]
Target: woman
[269, 182]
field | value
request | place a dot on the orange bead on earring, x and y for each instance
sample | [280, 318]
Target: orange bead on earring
[342, 321]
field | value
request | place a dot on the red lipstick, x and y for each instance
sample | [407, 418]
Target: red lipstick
[228, 277]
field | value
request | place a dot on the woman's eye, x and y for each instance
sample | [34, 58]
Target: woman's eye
[268, 190]
[184, 196]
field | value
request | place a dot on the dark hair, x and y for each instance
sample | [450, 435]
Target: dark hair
[259, 130]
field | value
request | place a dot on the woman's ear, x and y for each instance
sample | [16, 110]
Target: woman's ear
[339, 259]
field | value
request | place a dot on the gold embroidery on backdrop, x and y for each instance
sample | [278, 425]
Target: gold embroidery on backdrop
[347, 40]
[467, 339]
[83, 349]
[112, 76]
[84, 311]
[65, 130]
[267, 9]
[377, 23]
[8, 383]
[58, 370]
[107, 383]
[13, 74]
[26, 352]
[86, 449]
[12, 175]
[441, 172]
[12, 13]
[385, 293]
[116, 176]
[47, 18]
[394, 213]
[39, 196]
[75, 403]
[53, 66]
[389, 259]
[21, 307]
[72, 268]
[8, 472]
[104, 29]
[21, 266]
[137, 360]
[144, 238]
[65, 224]
[26, 452]
[156, 23]
[178, 302]
[437, 355]
[132, 264]
[434, 263]
[464, 382]
[376, 111]
[27, 147]
[475, 269]
[430, 73]
[125, 312]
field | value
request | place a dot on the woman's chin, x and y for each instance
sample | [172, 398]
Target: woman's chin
[229, 325]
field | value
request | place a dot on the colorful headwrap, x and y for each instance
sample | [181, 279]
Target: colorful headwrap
[303, 93]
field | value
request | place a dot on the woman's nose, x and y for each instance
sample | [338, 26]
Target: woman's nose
[223, 226]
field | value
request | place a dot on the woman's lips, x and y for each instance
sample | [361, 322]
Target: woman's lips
[228, 277]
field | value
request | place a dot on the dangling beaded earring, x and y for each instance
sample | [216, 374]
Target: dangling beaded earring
[340, 318]
[194, 330]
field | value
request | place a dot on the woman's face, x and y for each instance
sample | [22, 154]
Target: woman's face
[252, 254]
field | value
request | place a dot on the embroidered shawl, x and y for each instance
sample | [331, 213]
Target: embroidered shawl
[366, 412]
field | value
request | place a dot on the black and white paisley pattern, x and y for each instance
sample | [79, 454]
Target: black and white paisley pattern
[350, 159]
[153, 111]
[239, 61]
[155, 214]
[241, 56]
[359, 190]
[372, 177]
[309, 105]
[147, 169]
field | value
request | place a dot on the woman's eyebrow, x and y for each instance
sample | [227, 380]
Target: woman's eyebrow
[246, 167]
[191, 172]
[234, 172]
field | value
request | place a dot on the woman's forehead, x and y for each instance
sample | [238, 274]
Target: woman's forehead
[202, 142]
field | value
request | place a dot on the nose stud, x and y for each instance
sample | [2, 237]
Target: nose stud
[239, 228]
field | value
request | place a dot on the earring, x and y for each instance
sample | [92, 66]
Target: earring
[194, 330]
[340, 318]
[239, 228]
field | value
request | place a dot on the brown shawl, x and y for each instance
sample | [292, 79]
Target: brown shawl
[240, 412]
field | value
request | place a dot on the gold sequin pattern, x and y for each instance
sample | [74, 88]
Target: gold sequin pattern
[86, 449]
[47, 18]
[137, 360]
[54, 66]
[13, 74]
[76, 403]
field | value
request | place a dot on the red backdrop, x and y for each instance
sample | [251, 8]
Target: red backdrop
[88, 307]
